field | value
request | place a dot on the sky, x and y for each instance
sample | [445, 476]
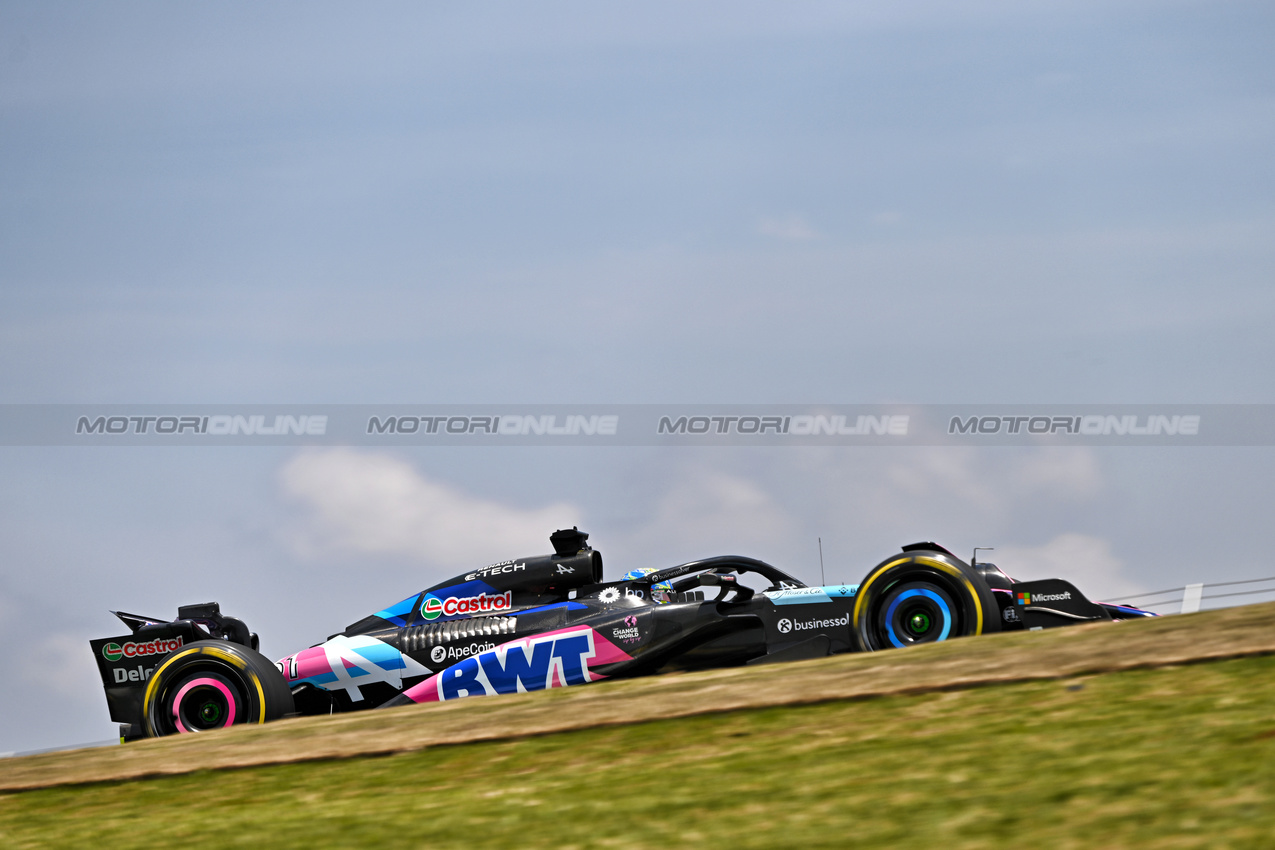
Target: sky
[570, 203]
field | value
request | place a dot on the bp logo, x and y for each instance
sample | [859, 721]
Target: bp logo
[785, 626]
[431, 608]
[112, 652]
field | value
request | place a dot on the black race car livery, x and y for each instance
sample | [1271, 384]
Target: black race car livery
[551, 621]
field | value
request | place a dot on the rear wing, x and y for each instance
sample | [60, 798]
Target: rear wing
[126, 662]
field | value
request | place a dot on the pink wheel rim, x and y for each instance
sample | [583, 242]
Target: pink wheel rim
[194, 683]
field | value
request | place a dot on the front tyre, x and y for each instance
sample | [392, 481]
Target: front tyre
[922, 597]
[211, 685]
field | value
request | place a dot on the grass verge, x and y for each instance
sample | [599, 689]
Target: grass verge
[1177, 757]
[966, 663]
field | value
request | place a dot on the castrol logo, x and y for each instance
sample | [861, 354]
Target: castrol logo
[114, 652]
[432, 608]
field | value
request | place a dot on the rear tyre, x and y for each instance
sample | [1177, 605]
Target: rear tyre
[922, 597]
[211, 685]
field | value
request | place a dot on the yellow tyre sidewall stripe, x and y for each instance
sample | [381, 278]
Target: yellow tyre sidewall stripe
[218, 653]
[863, 588]
[929, 562]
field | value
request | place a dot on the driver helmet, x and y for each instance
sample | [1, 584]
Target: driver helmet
[661, 592]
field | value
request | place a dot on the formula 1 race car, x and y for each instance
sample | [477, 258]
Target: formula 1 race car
[551, 621]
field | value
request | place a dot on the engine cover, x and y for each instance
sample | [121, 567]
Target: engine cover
[536, 574]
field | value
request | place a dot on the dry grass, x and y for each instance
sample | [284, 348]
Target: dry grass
[963, 664]
[1182, 757]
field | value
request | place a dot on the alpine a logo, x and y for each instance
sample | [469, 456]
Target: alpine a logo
[114, 652]
[433, 607]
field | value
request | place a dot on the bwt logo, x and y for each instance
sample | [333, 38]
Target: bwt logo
[551, 661]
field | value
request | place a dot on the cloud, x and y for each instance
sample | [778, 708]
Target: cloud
[61, 663]
[986, 487]
[361, 502]
[371, 503]
[712, 512]
[1067, 471]
[1081, 559]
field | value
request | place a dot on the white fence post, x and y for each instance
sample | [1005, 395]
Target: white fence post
[1191, 598]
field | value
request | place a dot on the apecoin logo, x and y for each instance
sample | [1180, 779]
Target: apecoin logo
[437, 654]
